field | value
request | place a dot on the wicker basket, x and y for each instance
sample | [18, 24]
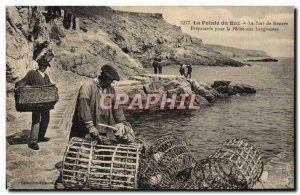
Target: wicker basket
[236, 165]
[36, 98]
[88, 165]
[166, 165]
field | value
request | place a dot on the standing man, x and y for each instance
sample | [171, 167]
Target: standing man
[41, 118]
[182, 70]
[155, 65]
[89, 111]
[189, 71]
[159, 65]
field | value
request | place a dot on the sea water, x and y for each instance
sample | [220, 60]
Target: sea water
[266, 119]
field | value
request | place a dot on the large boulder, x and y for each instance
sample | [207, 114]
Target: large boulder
[169, 85]
[225, 89]
[244, 89]
[204, 90]
[220, 83]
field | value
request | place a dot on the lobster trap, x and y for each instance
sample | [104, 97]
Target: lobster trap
[88, 165]
[36, 98]
[235, 165]
[166, 165]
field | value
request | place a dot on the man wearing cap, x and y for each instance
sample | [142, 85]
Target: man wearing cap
[40, 119]
[89, 113]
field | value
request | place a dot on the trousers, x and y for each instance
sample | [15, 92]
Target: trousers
[40, 121]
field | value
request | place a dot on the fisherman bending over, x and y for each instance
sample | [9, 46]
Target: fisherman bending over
[90, 114]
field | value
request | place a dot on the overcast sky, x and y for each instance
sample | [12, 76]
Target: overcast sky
[277, 44]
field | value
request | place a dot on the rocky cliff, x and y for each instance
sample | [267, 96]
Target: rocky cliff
[30, 37]
[128, 41]
[23, 46]
[143, 36]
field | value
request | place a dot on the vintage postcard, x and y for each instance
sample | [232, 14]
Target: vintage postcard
[150, 98]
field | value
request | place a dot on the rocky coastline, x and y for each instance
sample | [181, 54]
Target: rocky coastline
[173, 84]
[263, 60]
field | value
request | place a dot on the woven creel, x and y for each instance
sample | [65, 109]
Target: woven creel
[36, 98]
[88, 165]
[235, 165]
[167, 164]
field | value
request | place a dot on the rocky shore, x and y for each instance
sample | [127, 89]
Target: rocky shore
[170, 84]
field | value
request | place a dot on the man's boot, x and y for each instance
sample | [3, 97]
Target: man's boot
[33, 145]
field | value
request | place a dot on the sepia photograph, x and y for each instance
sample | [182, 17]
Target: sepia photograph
[151, 98]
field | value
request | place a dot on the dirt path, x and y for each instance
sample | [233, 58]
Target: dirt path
[29, 169]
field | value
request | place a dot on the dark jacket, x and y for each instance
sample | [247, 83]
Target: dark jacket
[181, 70]
[34, 78]
[155, 63]
[189, 69]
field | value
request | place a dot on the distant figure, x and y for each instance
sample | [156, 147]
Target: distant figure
[52, 13]
[159, 65]
[155, 65]
[182, 70]
[189, 71]
[74, 22]
[67, 20]
[56, 11]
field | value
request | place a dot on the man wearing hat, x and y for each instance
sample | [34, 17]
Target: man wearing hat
[89, 113]
[40, 119]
